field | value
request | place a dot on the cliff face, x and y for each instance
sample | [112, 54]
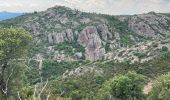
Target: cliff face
[150, 25]
[90, 40]
[61, 32]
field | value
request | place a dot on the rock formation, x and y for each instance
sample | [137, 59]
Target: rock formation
[150, 25]
[105, 34]
[90, 39]
[61, 37]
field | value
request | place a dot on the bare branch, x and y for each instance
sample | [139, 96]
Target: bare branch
[60, 95]
[39, 96]
[9, 78]
[6, 85]
[19, 97]
[48, 96]
[4, 91]
[34, 92]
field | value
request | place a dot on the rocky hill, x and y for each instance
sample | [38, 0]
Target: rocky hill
[64, 34]
[77, 53]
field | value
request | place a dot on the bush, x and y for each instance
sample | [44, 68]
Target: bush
[123, 87]
[161, 88]
[164, 48]
[70, 47]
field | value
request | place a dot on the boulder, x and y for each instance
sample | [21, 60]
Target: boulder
[78, 55]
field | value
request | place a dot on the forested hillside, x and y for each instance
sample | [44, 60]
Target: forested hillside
[66, 54]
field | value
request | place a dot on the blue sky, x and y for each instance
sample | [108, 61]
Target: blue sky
[114, 7]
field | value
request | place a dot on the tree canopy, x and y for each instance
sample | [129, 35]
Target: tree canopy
[123, 87]
[161, 88]
[14, 45]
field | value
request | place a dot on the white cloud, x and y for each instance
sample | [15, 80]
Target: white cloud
[124, 6]
[25, 5]
[99, 6]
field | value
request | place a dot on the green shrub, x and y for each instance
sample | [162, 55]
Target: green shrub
[161, 88]
[123, 87]
[164, 48]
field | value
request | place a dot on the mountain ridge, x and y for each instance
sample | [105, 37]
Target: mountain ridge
[74, 54]
[8, 15]
[98, 35]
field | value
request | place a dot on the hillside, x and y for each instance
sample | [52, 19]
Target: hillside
[89, 36]
[79, 51]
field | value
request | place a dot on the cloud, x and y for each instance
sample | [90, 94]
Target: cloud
[123, 6]
[26, 5]
[114, 7]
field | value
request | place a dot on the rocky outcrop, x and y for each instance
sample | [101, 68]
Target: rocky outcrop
[61, 56]
[150, 25]
[61, 37]
[56, 38]
[69, 34]
[80, 71]
[50, 38]
[78, 55]
[140, 27]
[117, 36]
[85, 20]
[90, 39]
[103, 30]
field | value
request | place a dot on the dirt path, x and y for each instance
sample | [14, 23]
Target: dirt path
[147, 88]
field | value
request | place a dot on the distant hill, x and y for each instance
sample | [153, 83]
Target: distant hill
[8, 15]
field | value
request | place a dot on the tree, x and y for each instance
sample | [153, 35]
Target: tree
[164, 48]
[161, 88]
[123, 87]
[13, 49]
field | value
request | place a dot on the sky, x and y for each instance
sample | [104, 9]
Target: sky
[112, 7]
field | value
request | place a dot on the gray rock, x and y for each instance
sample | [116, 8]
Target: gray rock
[90, 39]
[64, 19]
[140, 27]
[78, 55]
[61, 37]
[69, 34]
[103, 29]
[150, 25]
[83, 37]
[50, 49]
[117, 36]
[58, 37]
[85, 20]
[50, 38]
